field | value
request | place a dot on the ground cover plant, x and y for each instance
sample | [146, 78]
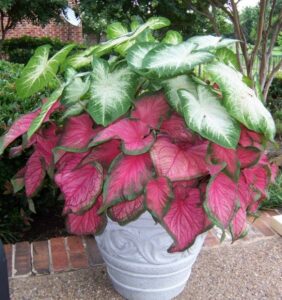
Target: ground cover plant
[137, 129]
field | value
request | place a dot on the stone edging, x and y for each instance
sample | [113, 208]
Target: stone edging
[64, 254]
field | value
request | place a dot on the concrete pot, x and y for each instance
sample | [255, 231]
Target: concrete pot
[138, 263]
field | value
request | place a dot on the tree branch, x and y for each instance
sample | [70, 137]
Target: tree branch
[209, 16]
[259, 33]
[240, 35]
[270, 78]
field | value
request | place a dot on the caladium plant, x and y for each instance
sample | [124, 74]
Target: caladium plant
[139, 128]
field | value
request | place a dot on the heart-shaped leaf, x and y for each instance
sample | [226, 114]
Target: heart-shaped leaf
[111, 92]
[241, 101]
[158, 196]
[171, 87]
[221, 200]
[39, 70]
[185, 220]
[89, 223]
[127, 178]
[179, 162]
[152, 110]
[171, 60]
[34, 174]
[135, 135]
[127, 211]
[219, 155]
[77, 133]
[204, 114]
[80, 186]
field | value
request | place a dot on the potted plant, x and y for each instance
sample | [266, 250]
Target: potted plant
[159, 134]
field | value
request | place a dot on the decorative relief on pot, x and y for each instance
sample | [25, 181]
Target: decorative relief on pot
[141, 241]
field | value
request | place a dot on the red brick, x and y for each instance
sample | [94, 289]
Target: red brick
[9, 257]
[93, 253]
[77, 255]
[59, 255]
[41, 257]
[22, 259]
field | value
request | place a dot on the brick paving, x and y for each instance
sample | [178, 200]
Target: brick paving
[63, 254]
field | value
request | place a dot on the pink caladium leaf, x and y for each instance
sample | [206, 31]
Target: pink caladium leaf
[127, 211]
[250, 138]
[80, 186]
[272, 167]
[176, 128]
[34, 174]
[19, 127]
[46, 141]
[88, 223]
[185, 220]
[77, 133]
[104, 153]
[70, 161]
[238, 225]
[151, 110]
[158, 196]
[127, 178]
[136, 136]
[179, 161]
[248, 156]
[258, 177]
[219, 155]
[221, 200]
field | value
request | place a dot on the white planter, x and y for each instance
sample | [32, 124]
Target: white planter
[138, 262]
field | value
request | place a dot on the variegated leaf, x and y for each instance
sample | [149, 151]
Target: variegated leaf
[204, 114]
[171, 86]
[241, 101]
[111, 92]
[39, 70]
[36, 123]
[75, 90]
[207, 42]
[115, 30]
[137, 53]
[172, 37]
[171, 60]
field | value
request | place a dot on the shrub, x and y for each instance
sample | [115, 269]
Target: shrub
[275, 195]
[20, 50]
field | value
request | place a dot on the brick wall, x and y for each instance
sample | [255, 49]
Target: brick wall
[63, 30]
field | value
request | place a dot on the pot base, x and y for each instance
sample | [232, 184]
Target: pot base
[138, 263]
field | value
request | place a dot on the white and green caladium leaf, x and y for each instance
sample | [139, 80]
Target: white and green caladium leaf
[227, 56]
[137, 53]
[172, 37]
[157, 22]
[171, 60]
[36, 123]
[111, 92]
[171, 87]
[75, 90]
[75, 109]
[241, 101]
[39, 71]
[115, 30]
[208, 42]
[204, 114]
